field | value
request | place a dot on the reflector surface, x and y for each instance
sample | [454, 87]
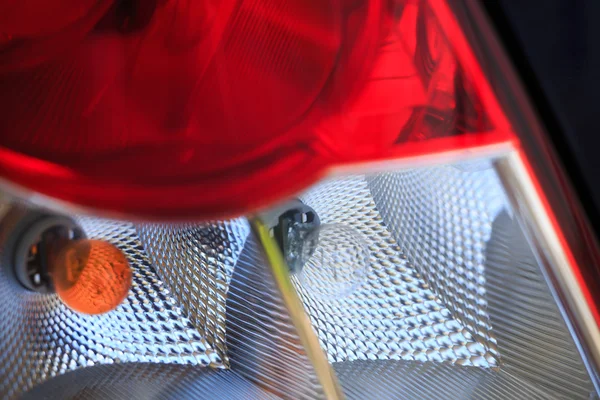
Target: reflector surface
[139, 381]
[42, 338]
[452, 303]
[395, 314]
[197, 262]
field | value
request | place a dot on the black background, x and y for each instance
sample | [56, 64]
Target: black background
[555, 46]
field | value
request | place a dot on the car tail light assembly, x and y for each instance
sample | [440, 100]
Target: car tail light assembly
[306, 199]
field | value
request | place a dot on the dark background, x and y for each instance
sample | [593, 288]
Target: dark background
[555, 46]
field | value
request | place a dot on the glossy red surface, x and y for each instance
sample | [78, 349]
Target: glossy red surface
[203, 109]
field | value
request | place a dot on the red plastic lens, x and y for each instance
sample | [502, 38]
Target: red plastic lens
[210, 108]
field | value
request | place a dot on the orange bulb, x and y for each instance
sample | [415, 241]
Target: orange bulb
[91, 276]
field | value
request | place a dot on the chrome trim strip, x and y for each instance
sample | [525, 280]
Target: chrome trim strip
[529, 210]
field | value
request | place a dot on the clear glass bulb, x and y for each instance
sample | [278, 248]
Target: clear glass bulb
[338, 264]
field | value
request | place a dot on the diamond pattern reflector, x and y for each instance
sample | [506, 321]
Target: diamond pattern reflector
[540, 360]
[263, 344]
[41, 338]
[157, 322]
[395, 314]
[455, 304]
[219, 275]
[431, 381]
[142, 381]
[196, 262]
[159, 299]
[452, 303]
[442, 217]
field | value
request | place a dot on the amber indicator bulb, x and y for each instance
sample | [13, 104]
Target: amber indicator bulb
[91, 276]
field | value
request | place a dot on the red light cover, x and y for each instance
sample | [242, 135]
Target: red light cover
[209, 108]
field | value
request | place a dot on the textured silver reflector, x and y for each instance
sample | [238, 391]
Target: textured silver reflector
[395, 314]
[197, 262]
[141, 381]
[421, 286]
[211, 301]
[41, 338]
[455, 304]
